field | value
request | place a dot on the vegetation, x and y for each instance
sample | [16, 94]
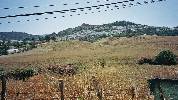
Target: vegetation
[2, 72]
[21, 46]
[22, 74]
[19, 74]
[68, 69]
[7, 36]
[120, 78]
[93, 33]
[163, 88]
[165, 57]
[145, 60]
[122, 23]
[93, 38]
[3, 48]
[51, 37]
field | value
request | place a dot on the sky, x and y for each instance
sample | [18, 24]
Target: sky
[154, 14]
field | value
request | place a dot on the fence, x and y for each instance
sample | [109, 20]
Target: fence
[98, 91]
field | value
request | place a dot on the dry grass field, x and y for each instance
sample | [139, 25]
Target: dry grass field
[109, 65]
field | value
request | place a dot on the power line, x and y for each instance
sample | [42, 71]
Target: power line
[89, 8]
[63, 11]
[51, 5]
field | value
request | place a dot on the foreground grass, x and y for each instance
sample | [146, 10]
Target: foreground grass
[116, 78]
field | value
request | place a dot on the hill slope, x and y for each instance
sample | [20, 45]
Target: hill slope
[15, 35]
[92, 33]
[117, 78]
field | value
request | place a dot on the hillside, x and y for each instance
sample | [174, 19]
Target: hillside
[92, 33]
[116, 78]
[15, 36]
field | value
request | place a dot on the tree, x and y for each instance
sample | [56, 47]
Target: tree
[41, 38]
[22, 74]
[176, 28]
[47, 38]
[165, 57]
[53, 38]
[3, 49]
[17, 44]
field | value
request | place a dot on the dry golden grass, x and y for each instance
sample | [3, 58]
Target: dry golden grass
[117, 78]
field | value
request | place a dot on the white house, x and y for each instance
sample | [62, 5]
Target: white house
[12, 51]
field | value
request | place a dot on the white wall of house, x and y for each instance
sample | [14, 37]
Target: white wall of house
[11, 51]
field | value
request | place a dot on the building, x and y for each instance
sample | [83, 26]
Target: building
[12, 51]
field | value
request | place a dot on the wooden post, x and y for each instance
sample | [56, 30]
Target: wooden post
[3, 92]
[98, 89]
[133, 92]
[99, 94]
[61, 86]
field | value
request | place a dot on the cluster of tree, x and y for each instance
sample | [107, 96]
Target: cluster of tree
[20, 45]
[49, 37]
[22, 74]
[93, 38]
[22, 41]
[165, 57]
[19, 74]
[122, 23]
[3, 48]
[25, 44]
[6, 36]
[176, 28]
[148, 30]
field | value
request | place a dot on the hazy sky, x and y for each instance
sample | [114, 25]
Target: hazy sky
[157, 14]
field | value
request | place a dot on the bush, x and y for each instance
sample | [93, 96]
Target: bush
[101, 62]
[145, 60]
[2, 72]
[22, 74]
[165, 57]
[68, 69]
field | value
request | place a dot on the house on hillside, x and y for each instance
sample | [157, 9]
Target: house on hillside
[13, 41]
[12, 51]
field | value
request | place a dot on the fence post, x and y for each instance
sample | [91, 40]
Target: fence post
[61, 86]
[133, 92]
[99, 94]
[3, 92]
[98, 89]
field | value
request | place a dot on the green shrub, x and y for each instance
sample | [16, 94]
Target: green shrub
[22, 74]
[2, 72]
[101, 62]
[165, 57]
